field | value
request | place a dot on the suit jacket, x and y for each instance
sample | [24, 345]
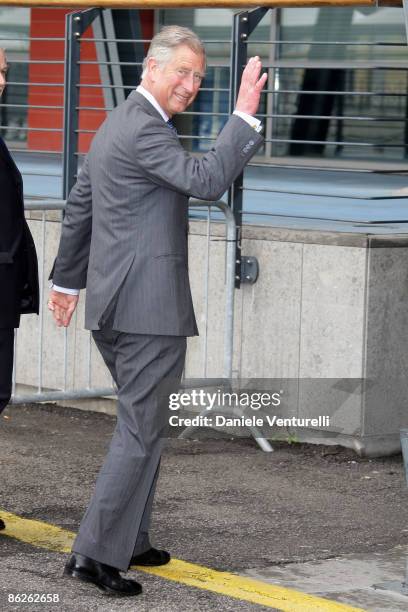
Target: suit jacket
[18, 258]
[124, 235]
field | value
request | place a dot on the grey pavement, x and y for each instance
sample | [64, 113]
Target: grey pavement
[317, 519]
[376, 581]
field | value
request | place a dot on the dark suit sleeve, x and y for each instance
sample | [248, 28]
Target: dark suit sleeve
[71, 265]
[163, 160]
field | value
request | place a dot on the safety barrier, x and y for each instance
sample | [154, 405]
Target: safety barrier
[42, 391]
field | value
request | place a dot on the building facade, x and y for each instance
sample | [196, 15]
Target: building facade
[337, 89]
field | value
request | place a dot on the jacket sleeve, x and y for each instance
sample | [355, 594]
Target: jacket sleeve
[163, 160]
[71, 265]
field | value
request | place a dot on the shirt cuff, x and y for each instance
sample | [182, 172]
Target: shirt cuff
[64, 290]
[253, 122]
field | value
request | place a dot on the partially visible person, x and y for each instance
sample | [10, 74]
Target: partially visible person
[18, 260]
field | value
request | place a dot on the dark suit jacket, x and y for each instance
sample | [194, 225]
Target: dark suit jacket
[18, 259]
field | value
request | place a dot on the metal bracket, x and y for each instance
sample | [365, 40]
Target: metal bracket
[249, 269]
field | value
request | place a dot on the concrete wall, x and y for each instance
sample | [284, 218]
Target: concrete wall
[326, 306]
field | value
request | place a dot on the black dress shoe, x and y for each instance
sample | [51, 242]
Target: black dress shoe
[151, 557]
[105, 577]
[2, 525]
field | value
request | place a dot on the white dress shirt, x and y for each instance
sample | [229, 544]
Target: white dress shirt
[253, 122]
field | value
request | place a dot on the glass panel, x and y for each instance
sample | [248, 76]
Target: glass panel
[327, 99]
[362, 109]
[360, 25]
[14, 33]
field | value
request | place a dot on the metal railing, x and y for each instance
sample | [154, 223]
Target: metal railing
[42, 390]
[349, 130]
[59, 342]
[281, 68]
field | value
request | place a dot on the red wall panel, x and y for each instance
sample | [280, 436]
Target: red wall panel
[50, 22]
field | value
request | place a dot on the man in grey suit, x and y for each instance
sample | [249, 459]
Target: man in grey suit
[124, 238]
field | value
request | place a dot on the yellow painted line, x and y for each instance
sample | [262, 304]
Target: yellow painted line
[37, 533]
[50, 537]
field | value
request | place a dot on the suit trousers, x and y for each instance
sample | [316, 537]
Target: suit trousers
[116, 523]
[6, 365]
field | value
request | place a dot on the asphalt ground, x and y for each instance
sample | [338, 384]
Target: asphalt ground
[220, 503]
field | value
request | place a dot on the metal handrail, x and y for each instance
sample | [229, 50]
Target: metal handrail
[157, 4]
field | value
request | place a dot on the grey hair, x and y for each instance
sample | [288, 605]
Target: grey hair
[170, 37]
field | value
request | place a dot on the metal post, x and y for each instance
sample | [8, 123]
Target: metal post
[405, 9]
[271, 98]
[75, 26]
[262, 442]
[41, 313]
[206, 292]
[243, 25]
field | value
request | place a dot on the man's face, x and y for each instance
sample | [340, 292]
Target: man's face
[3, 70]
[176, 84]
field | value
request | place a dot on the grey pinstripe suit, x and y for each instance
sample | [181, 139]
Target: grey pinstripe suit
[124, 238]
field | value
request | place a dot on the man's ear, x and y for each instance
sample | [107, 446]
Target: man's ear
[152, 69]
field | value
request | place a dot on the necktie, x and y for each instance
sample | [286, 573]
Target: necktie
[171, 125]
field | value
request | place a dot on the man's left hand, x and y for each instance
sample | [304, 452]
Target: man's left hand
[62, 306]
